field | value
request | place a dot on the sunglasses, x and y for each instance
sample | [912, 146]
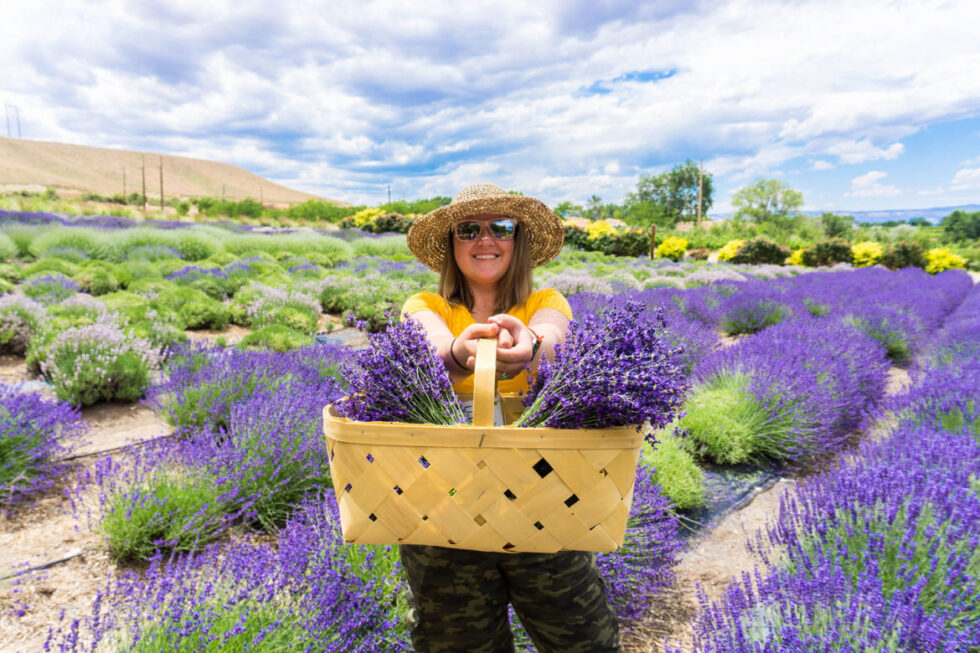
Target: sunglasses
[500, 229]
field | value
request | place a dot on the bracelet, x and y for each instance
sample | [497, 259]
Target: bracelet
[453, 354]
[537, 343]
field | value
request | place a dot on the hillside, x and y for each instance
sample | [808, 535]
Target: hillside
[36, 165]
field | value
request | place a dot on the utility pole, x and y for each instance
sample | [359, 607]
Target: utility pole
[17, 113]
[700, 184]
[161, 184]
[222, 192]
[124, 184]
[6, 114]
[389, 193]
[261, 196]
[143, 171]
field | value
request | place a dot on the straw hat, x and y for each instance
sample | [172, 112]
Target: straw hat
[427, 237]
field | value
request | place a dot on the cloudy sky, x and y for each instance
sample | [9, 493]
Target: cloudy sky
[860, 105]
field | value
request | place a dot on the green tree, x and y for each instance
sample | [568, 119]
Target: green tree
[836, 226]
[960, 225]
[675, 192]
[593, 208]
[767, 201]
[567, 207]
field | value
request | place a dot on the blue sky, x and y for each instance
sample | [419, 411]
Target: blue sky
[861, 106]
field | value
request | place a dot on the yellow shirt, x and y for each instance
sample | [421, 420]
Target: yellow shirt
[459, 317]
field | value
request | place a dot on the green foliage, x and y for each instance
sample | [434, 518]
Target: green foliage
[836, 226]
[891, 337]
[752, 318]
[8, 249]
[94, 243]
[172, 510]
[318, 211]
[49, 265]
[675, 471]
[962, 226]
[390, 247]
[195, 246]
[22, 235]
[761, 250]
[675, 192]
[204, 313]
[826, 253]
[275, 337]
[723, 420]
[767, 201]
[11, 273]
[416, 207]
[904, 254]
[300, 244]
[220, 259]
[97, 280]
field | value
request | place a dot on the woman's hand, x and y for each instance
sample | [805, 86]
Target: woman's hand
[517, 355]
[464, 347]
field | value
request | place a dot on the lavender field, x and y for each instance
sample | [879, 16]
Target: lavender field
[164, 480]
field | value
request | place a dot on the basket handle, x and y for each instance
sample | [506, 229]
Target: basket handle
[484, 381]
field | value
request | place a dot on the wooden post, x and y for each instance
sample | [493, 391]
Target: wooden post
[143, 170]
[161, 184]
[261, 196]
[222, 192]
[700, 183]
[124, 184]
[653, 240]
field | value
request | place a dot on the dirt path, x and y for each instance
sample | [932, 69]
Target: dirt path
[718, 557]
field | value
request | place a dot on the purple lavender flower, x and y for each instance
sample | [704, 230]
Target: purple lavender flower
[35, 435]
[612, 370]
[399, 378]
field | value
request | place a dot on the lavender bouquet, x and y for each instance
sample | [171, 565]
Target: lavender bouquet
[399, 378]
[614, 369]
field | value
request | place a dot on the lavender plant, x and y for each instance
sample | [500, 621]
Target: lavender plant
[20, 318]
[99, 362]
[50, 288]
[35, 435]
[399, 378]
[612, 370]
[636, 572]
[203, 384]
[309, 592]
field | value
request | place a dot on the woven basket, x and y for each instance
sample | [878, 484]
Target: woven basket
[482, 487]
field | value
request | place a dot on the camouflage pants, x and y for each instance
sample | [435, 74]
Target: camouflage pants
[459, 601]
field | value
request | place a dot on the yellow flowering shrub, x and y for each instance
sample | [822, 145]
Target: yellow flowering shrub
[673, 248]
[600, 228]
[941, 258]
[730, 249]
[796, 258]
[364, 216]
[866, 253]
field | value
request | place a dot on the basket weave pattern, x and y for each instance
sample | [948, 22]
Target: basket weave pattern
[482, 488]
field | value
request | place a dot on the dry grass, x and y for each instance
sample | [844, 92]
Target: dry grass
[36, 165]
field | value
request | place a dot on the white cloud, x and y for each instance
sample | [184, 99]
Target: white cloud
[347, 96]
[971, 162]
[862, 151]
[966, 179]
[867, 185]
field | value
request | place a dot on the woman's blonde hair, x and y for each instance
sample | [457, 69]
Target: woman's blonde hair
[513, 289]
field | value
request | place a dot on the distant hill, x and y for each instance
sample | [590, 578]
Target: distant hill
[36, 165]
[933, 215]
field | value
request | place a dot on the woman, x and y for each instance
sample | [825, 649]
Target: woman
[484, 245]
